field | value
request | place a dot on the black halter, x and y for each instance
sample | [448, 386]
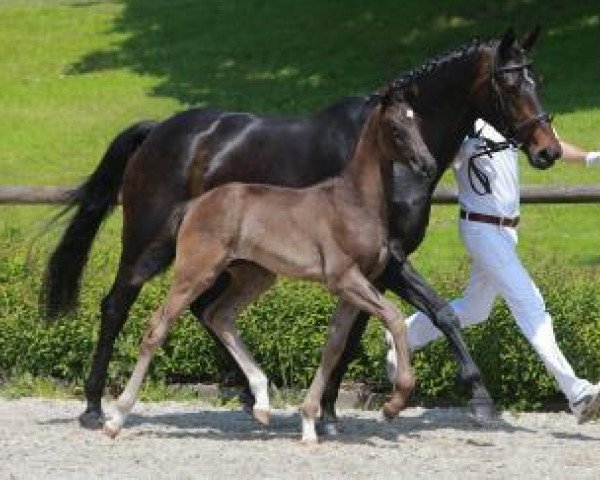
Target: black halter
[513, 132]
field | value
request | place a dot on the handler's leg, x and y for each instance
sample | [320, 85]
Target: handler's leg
[528, 308]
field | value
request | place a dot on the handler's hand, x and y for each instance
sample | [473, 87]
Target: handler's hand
[592, 158]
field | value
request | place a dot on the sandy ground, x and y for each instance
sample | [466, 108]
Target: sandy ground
[42, 439]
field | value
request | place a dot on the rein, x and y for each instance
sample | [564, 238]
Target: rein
[488, 148]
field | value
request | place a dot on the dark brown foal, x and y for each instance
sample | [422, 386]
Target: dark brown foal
[335, 233]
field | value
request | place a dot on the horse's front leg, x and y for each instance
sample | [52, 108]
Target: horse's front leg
[406, 282]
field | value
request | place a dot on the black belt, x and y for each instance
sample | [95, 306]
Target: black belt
[492, 219]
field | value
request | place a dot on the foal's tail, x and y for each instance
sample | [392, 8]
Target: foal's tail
[94, 201]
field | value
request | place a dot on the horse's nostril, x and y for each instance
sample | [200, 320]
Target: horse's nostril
[548, 155]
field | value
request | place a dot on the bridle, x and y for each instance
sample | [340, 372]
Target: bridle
[513, 134]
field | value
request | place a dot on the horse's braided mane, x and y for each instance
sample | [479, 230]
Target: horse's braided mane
[437, 63]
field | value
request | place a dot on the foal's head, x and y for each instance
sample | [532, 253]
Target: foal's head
[399, 134]
[516, 108]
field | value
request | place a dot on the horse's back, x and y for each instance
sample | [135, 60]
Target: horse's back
[199, 149]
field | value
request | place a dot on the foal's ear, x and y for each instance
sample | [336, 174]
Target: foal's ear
[507, 41]
[386, 97]
[530, 38]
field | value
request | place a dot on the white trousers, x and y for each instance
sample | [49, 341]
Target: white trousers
[497, 270]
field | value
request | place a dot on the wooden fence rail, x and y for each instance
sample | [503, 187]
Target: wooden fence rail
[24, 195]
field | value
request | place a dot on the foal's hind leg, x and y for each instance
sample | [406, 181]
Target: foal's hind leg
[195, 270]
[248, 282]
[114, 310]
[356, 290]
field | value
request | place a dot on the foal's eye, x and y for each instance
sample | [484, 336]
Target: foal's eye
[540, 81]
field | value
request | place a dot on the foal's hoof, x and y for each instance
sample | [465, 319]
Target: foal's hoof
[310, 442]
[329, 428]
[390, 410]
[262, 416]
[482, 410]
[111, 429]
[92, 419]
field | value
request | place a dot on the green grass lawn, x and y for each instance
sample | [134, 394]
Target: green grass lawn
[73, 73]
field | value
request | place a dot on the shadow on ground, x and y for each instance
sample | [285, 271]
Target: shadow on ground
[236, 425]
[282, 56]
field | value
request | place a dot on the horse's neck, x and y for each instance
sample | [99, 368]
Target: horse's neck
[445, 105]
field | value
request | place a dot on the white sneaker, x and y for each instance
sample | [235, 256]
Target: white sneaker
[587, 407]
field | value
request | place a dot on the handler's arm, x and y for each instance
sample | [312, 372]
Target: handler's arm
[574, 154]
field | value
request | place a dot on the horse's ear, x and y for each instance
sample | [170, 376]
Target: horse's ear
[506, 42]
[530, 38]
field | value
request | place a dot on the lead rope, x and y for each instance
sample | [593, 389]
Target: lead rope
[487, 148]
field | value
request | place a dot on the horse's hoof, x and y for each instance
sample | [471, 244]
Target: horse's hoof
[247, 401]
[262, 416]
[111, 429]
[390, 410]
[92, 419]
[330, 428]
[482, 410]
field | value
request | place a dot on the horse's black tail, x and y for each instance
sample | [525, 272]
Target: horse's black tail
[94, 201]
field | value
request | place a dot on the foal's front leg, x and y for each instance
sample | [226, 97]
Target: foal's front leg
[339, 326]
[358, 293]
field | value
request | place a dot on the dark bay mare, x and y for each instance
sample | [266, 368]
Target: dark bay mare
[157, 167]
[334, 232]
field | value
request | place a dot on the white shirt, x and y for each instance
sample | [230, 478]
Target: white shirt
[501, 198]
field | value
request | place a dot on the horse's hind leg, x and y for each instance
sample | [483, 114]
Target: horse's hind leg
[114, 310]
[247, 283]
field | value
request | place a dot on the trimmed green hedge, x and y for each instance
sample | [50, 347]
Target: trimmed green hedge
[285, 331]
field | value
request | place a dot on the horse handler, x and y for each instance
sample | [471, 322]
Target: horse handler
[488, 194]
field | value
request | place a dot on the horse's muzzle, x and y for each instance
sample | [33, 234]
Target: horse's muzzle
[544, 157]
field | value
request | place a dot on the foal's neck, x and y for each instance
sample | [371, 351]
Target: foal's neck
[367, 175]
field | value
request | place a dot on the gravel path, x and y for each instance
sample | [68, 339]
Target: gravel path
[41, 439]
